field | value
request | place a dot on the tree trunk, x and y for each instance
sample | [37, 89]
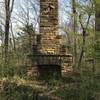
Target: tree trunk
[8, 10]
[83, 47]
[74, 30]
[6, 34]
[97, 28]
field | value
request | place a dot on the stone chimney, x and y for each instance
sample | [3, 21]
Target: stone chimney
[51, 57]
[49, 27]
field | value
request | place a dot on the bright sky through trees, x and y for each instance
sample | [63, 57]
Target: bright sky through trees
[19, 5]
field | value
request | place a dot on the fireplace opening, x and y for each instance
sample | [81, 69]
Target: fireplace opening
[49, 71]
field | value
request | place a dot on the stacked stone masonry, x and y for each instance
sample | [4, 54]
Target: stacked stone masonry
[50, 43]
[49, 26]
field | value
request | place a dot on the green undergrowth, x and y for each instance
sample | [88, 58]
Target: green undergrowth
[16, 88]
[82, 86]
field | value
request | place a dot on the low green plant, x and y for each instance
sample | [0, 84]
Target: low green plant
[83, 90]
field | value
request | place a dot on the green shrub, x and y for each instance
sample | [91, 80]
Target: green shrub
[83, 90]
[12, 91]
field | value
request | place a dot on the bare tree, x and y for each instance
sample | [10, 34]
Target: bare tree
[88, 12]
[97, 30]
[8, 10]
[74, 30]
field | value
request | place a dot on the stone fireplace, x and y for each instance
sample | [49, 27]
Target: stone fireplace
[51, 54]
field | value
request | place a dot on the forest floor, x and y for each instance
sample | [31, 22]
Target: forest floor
[72, 87]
